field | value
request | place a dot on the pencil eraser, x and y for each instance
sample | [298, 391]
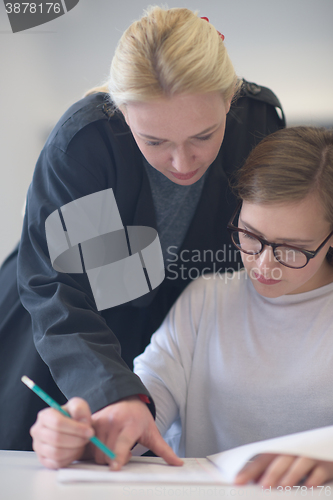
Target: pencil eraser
[26, 380]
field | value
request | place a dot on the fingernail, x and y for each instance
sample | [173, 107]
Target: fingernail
[89, 433]
[114, 465]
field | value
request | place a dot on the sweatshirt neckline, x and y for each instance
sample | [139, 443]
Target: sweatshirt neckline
[292, 298]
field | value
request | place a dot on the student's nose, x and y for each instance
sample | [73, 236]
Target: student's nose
[266, 260]
[183, 160]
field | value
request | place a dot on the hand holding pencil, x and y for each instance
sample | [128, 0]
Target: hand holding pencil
[59, 440]
[61, 433]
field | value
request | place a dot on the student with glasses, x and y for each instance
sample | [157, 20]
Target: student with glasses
[248, 355]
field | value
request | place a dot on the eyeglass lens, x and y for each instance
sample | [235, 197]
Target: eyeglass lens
[252, 246]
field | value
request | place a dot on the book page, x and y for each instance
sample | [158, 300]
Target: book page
[316, 443]
[143, 470]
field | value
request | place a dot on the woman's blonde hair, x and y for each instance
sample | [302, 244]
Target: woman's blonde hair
[288, 165]
[169, 52]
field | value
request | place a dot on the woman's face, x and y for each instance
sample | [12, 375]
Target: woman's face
[180, 136]
[300, 224]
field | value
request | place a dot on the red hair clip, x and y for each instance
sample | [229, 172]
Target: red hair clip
[206, 19]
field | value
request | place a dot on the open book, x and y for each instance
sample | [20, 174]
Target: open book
[220, 468]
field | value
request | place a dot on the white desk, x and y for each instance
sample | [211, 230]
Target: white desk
[23, 478]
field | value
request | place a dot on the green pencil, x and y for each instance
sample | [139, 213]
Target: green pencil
[48, 400]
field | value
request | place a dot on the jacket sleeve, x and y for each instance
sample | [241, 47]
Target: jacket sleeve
[70, 334]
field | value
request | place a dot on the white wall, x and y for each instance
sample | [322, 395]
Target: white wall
[284, 44]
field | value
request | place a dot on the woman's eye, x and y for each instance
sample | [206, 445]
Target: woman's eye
[153, 143]
[205, 137]
[249, 237]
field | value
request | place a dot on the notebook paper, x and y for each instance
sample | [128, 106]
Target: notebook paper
[220, 468]
[144, 470]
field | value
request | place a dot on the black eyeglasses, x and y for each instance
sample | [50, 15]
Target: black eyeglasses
[288, 255]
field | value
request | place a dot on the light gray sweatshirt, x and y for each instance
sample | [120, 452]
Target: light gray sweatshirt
[228, 366]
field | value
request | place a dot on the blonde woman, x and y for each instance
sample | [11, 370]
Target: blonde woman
[249, 357]
[154, 136]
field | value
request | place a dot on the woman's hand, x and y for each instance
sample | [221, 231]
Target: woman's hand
[285, 470]
[59, 440]
[123, 424]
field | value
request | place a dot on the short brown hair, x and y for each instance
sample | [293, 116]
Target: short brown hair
[287, 166]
